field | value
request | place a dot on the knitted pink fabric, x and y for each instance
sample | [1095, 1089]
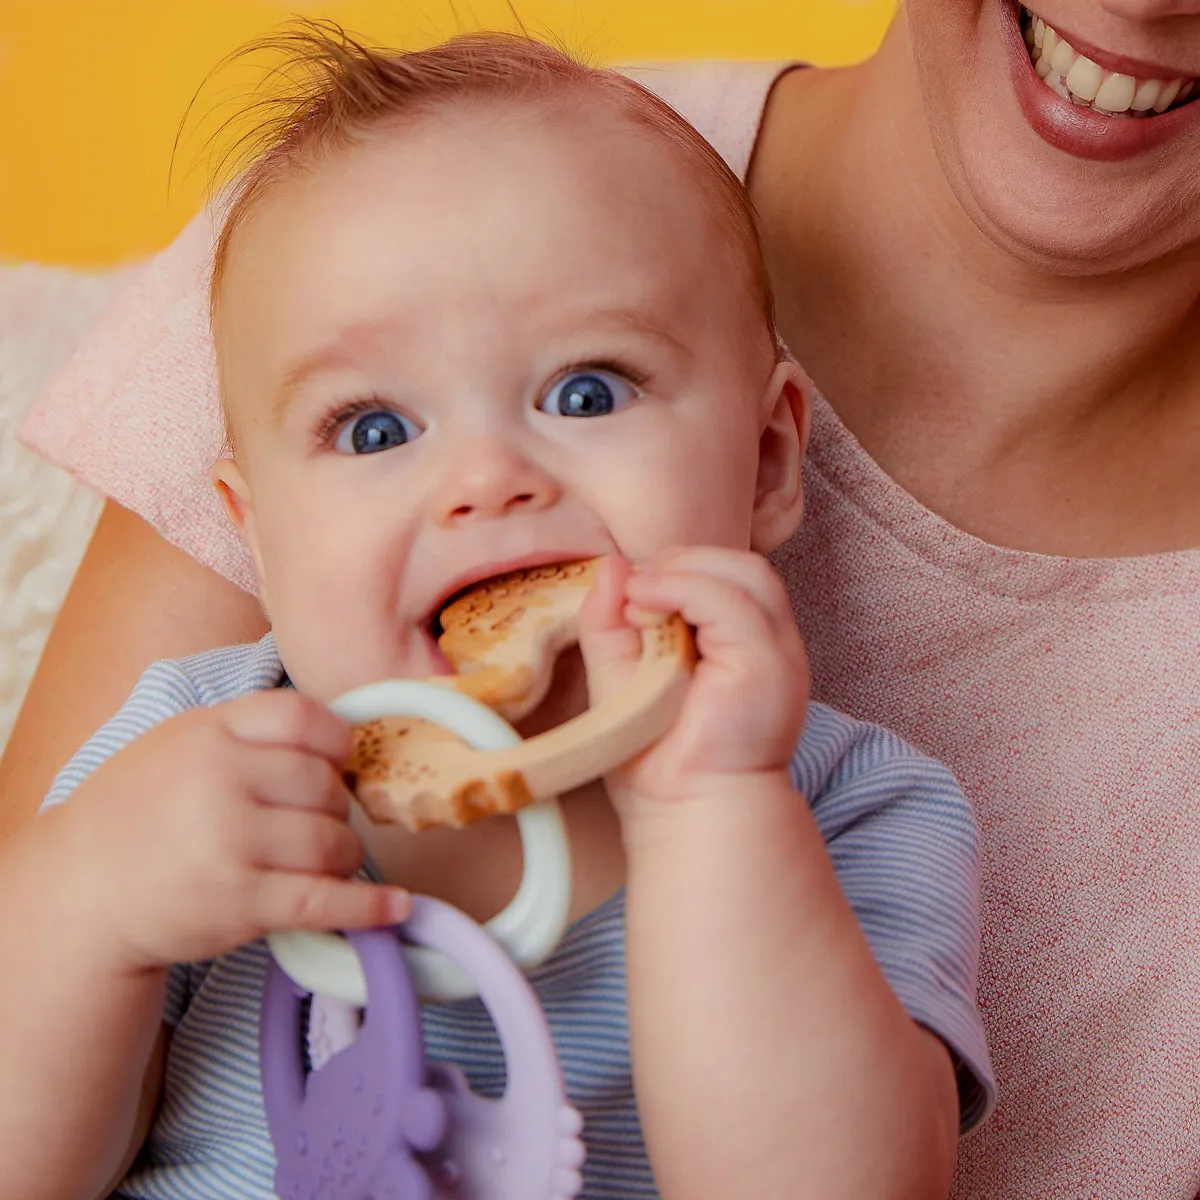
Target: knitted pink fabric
[1065, 694]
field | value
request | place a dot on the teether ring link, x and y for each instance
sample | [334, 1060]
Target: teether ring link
[526, 1145]
[503, 639]
[349, 1131]
[532, 924]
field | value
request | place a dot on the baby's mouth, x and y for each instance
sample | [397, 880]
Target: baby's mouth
[436, 628]
[1076, 78]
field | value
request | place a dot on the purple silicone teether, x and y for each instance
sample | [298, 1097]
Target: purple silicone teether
[523, 1146]
[526, 1144]
[350, 1130]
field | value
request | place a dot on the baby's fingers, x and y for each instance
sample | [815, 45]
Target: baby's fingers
[751, 573]
[316, 902]
[294, 779]
[285, 718]
[725, 615]
[610, 646]
[287, 840]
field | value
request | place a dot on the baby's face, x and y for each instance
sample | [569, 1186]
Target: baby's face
[482, 342]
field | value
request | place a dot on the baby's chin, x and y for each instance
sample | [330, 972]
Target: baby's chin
[331, 671]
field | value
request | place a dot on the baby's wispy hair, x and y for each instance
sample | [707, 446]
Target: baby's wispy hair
[327, 89]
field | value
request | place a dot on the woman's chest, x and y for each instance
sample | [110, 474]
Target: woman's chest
[1066, 698]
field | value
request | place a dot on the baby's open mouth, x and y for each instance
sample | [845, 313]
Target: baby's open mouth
[1078, 79]
[436, 628]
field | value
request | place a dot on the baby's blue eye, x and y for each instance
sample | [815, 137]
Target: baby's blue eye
[379, 429]
[588, 394]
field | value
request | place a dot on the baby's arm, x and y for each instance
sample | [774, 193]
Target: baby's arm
[187, 839]
[771, 1057]
[135, 599]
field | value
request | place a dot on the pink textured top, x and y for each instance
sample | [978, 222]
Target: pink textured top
[1065, 694]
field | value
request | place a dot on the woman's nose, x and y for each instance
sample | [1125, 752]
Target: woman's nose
[489, 479]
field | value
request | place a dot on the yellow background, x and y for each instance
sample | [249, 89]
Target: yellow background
[92, 92]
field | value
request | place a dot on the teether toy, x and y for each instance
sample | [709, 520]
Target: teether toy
[502, 638]
[378, 1121]
[375, 1120]
[529, 928]
[350, 1130]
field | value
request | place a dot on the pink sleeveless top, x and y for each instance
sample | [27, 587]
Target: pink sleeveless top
[1064, 693]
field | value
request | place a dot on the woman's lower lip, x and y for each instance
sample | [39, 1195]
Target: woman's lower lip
[1077, 130]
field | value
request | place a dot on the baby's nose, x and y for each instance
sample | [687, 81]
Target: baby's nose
[489, 479]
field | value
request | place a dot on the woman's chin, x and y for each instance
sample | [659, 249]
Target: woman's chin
[1037, 220]
[1072, 218]
[1070, 191]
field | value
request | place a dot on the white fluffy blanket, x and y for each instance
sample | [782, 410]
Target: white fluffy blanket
[46, 517]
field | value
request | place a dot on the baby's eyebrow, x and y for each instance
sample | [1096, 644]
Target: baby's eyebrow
[344, 349]
[643, 322]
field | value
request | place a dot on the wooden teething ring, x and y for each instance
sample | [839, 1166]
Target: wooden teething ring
[503, 638]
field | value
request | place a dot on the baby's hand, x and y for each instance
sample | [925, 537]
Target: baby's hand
[216, 827]
[746, 706]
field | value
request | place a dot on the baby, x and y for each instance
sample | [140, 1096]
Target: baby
[477, 308]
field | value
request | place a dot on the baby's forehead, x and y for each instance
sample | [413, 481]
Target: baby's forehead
[535, 178]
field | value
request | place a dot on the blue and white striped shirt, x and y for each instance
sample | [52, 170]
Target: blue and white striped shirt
[902, 840]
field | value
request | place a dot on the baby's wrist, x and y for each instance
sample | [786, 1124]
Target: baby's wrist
[68, 884]
[96, 900]
[721, 804]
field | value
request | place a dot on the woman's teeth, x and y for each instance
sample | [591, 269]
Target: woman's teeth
[1076, 78]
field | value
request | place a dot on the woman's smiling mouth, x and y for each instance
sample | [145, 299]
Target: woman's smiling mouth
[1090, 102]
[1081, 80]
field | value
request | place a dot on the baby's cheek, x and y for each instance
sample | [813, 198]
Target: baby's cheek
[713, 510]
[324, 626]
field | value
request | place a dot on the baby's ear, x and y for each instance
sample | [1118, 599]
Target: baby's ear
[235, 494]
[786, 409]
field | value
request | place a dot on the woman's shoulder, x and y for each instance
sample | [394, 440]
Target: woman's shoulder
[722, 99]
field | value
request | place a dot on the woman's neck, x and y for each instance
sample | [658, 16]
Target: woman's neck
[1037, 410]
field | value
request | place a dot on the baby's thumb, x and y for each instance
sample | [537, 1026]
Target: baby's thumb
[609, 644]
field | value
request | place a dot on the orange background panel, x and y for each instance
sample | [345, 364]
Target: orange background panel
[92, 92]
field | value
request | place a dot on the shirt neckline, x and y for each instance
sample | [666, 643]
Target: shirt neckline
[842, 463]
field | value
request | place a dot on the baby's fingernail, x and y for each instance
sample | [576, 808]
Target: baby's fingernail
[399, 904]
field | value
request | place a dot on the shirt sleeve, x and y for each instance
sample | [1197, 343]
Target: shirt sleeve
[904, 845]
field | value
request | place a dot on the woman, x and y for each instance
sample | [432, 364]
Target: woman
[994, 289]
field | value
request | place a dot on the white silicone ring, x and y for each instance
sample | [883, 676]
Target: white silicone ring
[532, 925]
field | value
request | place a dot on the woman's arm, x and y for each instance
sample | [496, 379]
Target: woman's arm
[80, 1035]
[135, 599]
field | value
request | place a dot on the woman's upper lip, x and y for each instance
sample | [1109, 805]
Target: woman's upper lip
[1123, 64]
